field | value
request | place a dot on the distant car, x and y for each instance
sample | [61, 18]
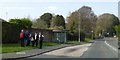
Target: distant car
[99, 37]
[115, 36]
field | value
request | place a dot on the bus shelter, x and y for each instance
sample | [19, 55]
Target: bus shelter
[60, 36]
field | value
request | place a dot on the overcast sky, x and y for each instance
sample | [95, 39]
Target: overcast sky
[35, 8]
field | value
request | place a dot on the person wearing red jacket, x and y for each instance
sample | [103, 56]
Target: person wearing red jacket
[22, 38]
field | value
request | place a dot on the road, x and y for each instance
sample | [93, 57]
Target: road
[100, 48]
[119, 54]
[114, 43]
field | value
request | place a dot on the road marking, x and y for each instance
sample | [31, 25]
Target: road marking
[112, 47]
[87, 48]
[84, 51]
[20, 53]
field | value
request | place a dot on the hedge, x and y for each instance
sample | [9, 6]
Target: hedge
[10, 33]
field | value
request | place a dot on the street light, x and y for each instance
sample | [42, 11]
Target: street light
[79, 25]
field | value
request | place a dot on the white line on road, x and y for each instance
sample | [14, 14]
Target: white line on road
[83, 52]
[111, 47]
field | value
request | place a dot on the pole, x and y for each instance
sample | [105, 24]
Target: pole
[79, 25]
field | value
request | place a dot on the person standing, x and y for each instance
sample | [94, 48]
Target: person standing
[36, 39]
[22, 38]
[26, 35]
[32, 40]
[41, 37]
[28, 39]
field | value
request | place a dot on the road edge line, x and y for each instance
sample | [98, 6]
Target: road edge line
[86, 49]
[111, 46]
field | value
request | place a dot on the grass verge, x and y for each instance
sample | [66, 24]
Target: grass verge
[76, 42]
[7, 48]
[72, 42]
[87, 39]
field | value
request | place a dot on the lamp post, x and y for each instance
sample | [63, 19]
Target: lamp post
[79, 25]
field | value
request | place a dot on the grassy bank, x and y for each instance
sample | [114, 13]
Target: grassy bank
[72, 42]
[87, 39]
[7, 48]
[77, 42]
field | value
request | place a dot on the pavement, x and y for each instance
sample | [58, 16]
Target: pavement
[32, 52]
[67, 52]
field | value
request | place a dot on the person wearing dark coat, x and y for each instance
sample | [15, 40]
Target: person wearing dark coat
[26, 38]
[36, 37]
[41, 37]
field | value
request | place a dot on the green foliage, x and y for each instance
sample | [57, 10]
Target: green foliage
[22, 23]
[87, 19]
[116, 20]
[83, 20]
[46, 17]
[57, 28]
[89, 36]
[13, 27]
[58, 21]
[72, 36]
[73, 42]
[7, 48]
[73, 20]
[82, 36]
[106, 23]
[40, 24]
[87, 39]
[44, 21]
[117, 28]
[46, 44]
[26, 22]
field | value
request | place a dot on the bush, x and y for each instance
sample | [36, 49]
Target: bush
[82, 36]
[117, 28]
[72, 36]
[75, 36]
